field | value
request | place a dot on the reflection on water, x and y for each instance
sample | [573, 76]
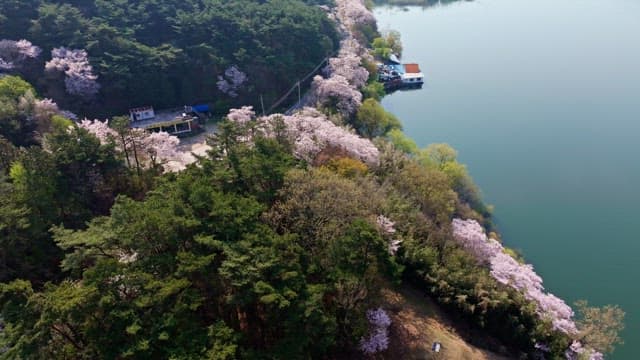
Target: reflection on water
[541, 99]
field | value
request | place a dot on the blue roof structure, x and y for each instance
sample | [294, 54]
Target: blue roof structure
[201, 108]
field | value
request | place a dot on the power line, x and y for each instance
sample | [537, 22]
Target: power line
[297, 84]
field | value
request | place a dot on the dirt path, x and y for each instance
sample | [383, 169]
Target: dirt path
[417, 323]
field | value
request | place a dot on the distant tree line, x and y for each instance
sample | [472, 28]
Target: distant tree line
[276, 244]
[424, 3]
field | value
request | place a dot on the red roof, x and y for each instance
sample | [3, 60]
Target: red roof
[411, 68]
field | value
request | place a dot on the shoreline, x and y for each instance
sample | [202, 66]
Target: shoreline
[563, 312]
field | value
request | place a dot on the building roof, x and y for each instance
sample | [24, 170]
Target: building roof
[164, 118]
[412, 68]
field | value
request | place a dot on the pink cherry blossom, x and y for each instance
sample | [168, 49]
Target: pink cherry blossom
[348, 64]
[12, 53]
[378, 339]
[150, 148]
[577, 351]
[386, 225]
[471, 236]
[353, 12]
[388, 230]
[337, 91]
[310, 132]
[26, 48]
[232, 80]
[44, 109]
[99, 129]
[507, 270]
[345, 73]
[160, 147]
[79, 77]
[242, 115]
[69, 115]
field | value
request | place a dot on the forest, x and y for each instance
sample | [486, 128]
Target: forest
[277, 243]
[171, 53]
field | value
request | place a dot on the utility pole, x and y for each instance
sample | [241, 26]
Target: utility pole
[262, 103]
[298, 92]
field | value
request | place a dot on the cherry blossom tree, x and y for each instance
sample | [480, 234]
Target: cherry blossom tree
[345, 73]
[5, 65]
[44, 109]
[232, 80]
[141, 148]
[386, 225]
[160, 147]
[353, 12]
[336, 91]
[38, 112]
[378, 340]
[578, 352]
[507, 270]
[26, 48]
[472, 237]
[310, 131]
[69, 115]
[79, 77]
[99, 129]
[348, 64]
[12, 53]
[242, 116]
[388, 231]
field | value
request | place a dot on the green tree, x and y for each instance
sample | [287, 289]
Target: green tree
[257, 168]
[373, 120]
[8, 154]
[402, 142]
[59, 25]
[444, 158]
[15, 126]
[600, 327]
[373, 90]
[387, 44]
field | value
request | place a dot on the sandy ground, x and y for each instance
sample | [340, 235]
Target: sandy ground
[417, 321]
[188, 147]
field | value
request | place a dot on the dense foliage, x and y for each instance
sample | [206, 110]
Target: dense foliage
[217, 262]
[275, 245]
[252, 253]
[167, 53]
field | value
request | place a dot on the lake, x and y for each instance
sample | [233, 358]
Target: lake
[542, 101]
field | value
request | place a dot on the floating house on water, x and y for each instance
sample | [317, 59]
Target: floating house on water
[412, 75]
[395, 75]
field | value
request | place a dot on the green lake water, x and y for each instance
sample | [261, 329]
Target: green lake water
[542, 101]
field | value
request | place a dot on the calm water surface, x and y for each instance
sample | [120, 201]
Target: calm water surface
[542, 101]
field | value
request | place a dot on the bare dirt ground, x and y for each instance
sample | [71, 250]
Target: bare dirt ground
[417, 323]
[189, 146]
